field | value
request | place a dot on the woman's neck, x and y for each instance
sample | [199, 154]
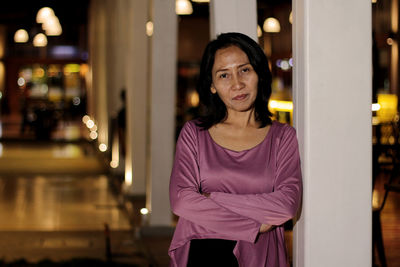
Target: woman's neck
[242, 120]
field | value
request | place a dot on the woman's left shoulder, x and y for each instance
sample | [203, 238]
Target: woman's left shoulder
[282, 128]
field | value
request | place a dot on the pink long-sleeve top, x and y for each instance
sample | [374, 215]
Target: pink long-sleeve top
[250, 187]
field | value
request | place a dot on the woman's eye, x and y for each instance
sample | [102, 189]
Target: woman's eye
[223, 75]
[245, 69]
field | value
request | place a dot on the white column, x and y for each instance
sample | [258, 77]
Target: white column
[233, 16]
[162, 110]
[332, 94]
[137, 77]
[98, 67]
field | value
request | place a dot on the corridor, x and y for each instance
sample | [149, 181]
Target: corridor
[55, 201]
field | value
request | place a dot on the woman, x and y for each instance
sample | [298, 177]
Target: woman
[236, 176]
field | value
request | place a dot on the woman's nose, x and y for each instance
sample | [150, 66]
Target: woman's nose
[237, 83]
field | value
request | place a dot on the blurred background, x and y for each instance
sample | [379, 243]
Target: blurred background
[77, 123]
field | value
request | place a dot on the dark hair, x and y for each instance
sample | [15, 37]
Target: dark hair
[214, 110]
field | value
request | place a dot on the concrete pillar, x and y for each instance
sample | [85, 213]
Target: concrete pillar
[162, 109]
[233, 16]
[332, 114]
[137, 85]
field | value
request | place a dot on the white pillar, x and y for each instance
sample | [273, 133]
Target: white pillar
[98, 93]
[162, 109]
[233, 16]
[332, 94]
[137, 96]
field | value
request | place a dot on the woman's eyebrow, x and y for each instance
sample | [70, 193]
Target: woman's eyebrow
[225, 69]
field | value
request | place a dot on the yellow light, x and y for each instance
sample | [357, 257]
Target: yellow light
[40, 40]
[89, 124]
[149, 28]
[183, 7]
[21, 36]
[291, 17]
[93, 135]
[72, 68]
[194, 99]
[376, 107]
[94, 128]
[388, 110]
[85, 119]
[103, 147]
[259, 31]
[144, 211]
[271, 25]
[374, 1]
[43, 14]
[389, 41]
[128, 177]
[114, 164]
[281, 105]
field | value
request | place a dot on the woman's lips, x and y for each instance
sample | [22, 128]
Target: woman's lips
[240, 97]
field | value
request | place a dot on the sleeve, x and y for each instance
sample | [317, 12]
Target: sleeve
[187, 201]
[281, 205]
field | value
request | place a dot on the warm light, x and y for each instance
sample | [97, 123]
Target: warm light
[43, 14]
[388, 110]
[93, 128]
[376, 107]
[183, 7]
[40, 40]
[114, 164]
[389, 41]
[103, 147]
[374, 1]
[291, 17]
[93, 135]
[259, 31]
[271, 25]
[89, 124]
[194, 99]
[281, 105]
[144, 211]
[52, 26]
[55, 30]
[21, 36]
[149, 28]
[21, 81]
[85, 119]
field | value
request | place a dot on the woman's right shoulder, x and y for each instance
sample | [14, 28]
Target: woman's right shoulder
[191, 128]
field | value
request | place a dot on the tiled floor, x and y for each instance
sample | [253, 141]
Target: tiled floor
[55, 202]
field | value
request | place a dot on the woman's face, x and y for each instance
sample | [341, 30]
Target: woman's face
[234, 79]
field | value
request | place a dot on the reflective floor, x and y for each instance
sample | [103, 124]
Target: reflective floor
[63, 202]
[55, 202]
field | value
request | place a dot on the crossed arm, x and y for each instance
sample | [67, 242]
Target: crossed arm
[242, 217]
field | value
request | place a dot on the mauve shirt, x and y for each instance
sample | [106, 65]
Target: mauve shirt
[250, 187]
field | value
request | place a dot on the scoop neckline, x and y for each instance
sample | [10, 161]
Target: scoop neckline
[244, 150]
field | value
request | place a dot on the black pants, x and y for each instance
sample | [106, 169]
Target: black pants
[212, 252]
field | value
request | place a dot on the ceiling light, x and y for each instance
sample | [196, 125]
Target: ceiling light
[21, 36]
[40, 40]
[43, 14]
[183, 7]
[271, 25]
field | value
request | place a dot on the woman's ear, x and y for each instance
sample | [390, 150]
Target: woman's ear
[212, 89]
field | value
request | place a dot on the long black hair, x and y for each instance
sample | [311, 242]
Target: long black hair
[214, 110]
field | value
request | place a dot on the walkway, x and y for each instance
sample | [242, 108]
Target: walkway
[55, 201]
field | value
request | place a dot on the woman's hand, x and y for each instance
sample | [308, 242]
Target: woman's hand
[205, 194]
[265, 228]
